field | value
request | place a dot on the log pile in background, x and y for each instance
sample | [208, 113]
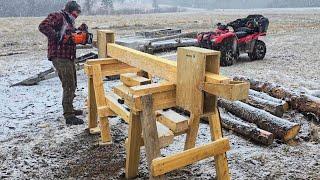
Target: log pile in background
[304, 103]
[282, 129]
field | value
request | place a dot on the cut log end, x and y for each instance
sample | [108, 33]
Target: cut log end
[291, 133]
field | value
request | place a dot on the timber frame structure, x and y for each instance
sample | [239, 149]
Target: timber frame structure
[192, 83]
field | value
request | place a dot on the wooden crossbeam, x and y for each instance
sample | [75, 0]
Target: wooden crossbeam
[161, 100]
[173, 120]
[235, 90]
[109, 67]
[132, 79]
[152, 88]
[163, 165]
[153, 64]
[115, 106]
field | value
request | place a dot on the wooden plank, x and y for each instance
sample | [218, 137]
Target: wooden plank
[117, 68]
[173, 120]
[221, 162]
[115, 106]
[162, 100]
[92, 106]
[152, 88]
[236, 90]
[149, 129]
[102, 61]
[132, 79]
[163, 165]
[133, 146]
[165, 136]
[104, 37]
[216, 78]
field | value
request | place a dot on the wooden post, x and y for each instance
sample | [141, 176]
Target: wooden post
[191, 69]
[92, 106]
[221, 162]
[150, 133]
[104, 37]
[133, 146]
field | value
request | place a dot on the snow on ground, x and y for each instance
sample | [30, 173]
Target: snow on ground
[36, 143]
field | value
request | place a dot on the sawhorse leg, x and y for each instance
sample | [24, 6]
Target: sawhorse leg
[192, 131]
[133, 146]
[221, 162]
[92, 106]
[150, 133]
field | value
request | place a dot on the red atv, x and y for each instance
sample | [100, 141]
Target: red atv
[243, 39]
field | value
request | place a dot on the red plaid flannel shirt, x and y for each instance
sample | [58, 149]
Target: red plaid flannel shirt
[50, 27]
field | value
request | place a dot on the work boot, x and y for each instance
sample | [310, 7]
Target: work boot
[78, 112]
[73, 120]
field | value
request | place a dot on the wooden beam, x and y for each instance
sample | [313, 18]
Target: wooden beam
[216, 78]
[150, 135]
[117, 68]
[149, 63]
[173, 120]
[115, 106]
[152, 88]
[162, 100]
[102, 61]
[132, 79]
[163, 165]
[235, 90]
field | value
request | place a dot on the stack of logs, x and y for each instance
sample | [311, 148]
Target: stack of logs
[265, 106]
[259, 117]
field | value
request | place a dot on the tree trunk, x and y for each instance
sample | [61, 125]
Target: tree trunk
[301, 102]
[263, 101]
[235, 124]
[281, 128]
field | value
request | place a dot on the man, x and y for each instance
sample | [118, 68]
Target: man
[62, 54]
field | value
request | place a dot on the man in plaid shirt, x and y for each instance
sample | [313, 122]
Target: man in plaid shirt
[62, 55]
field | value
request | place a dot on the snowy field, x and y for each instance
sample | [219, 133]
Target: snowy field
[36, 143]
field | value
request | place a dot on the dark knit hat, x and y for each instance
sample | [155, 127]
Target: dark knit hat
[72, 6]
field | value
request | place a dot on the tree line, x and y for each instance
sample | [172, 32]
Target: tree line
[16, 8]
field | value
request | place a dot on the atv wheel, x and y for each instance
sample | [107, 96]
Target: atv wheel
[259, 51]
[228, 57]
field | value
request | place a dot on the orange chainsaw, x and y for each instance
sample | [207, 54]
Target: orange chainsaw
[78, 37]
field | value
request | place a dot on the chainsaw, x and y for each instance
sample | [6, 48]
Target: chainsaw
[78, 37]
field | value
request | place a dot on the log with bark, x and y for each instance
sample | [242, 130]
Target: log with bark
[263, 101]
[50, 73]
[231, 122]
[281, 128]
[304, 103]
[235, 124]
